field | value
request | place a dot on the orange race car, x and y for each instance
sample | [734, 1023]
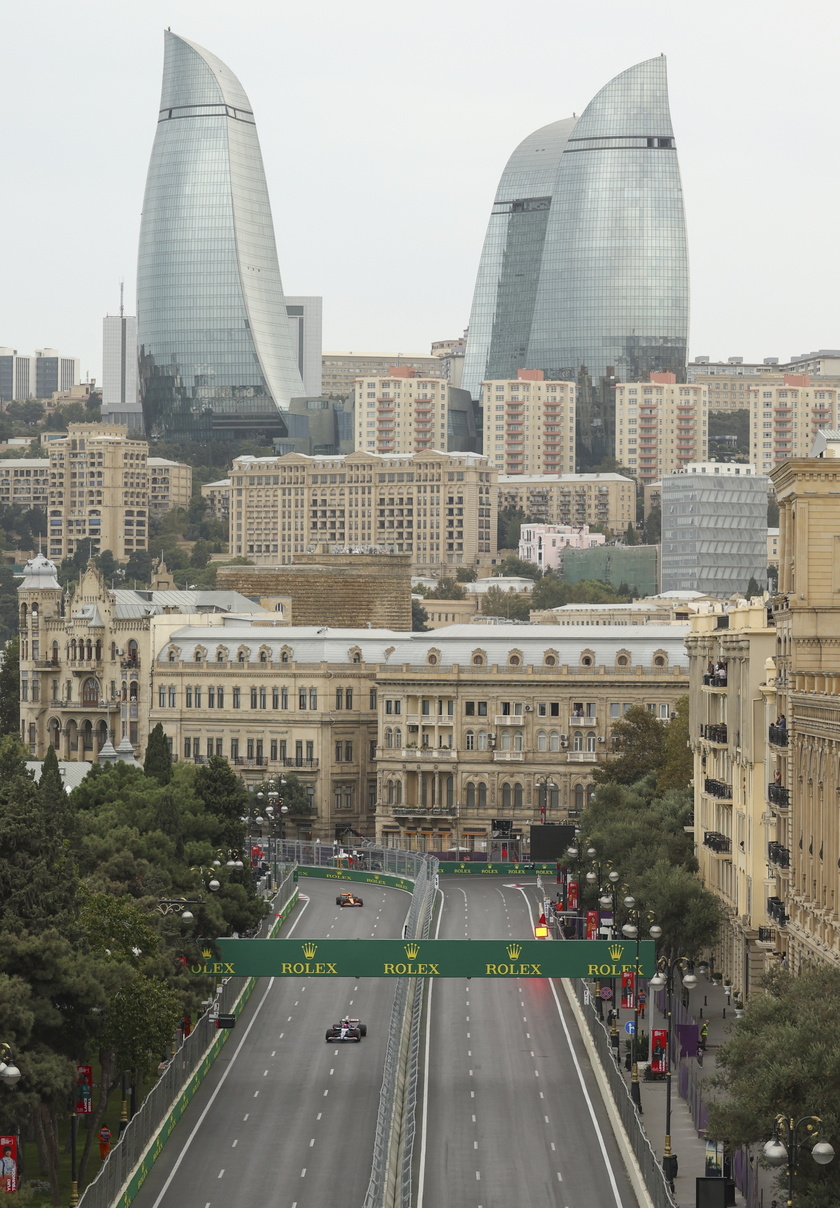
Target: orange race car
[348, 899]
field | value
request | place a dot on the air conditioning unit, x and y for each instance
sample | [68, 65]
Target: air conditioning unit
[602, 740]
[564, 738]
[529, 708]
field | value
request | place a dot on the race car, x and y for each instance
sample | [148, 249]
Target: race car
[348, 899]
[348, 1029]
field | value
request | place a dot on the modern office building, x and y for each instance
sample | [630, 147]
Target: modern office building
[38, 376]
[529, 424]
[306, 321]
[216, 351]
[584, 270]
[660, 426]
[120, 378]
[714, 528]
[404, 412]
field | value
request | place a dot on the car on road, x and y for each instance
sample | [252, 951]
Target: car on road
[348, 899]
[348, 1030]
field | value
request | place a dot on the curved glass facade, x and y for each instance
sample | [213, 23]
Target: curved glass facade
[216, 351]
[611, 302]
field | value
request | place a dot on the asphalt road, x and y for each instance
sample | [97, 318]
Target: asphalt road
[511, 1116]
[284, 1119]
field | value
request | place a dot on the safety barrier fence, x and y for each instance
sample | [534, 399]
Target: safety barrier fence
[131, 1158]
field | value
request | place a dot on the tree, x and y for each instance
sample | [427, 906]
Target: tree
[653, 526]
[200, 555]
[447, 589]
[637, 742]
[419, 617]
[510, 521]
[222, 794]
[158, 761]
[517, 568]
[28, 412]
[509, 604]
[139, 567]
[466, 574]
[631, 537]
[677, 766]
[753, 589]
[784, 1057]
[10, 689]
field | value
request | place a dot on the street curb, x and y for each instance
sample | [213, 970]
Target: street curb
[628, 1156]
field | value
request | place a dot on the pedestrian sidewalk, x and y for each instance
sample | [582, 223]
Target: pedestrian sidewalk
[707, 1003]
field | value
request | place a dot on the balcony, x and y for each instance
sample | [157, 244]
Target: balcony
[776, 911]
[241, 761]
[779, 795]
[720, 844]
[714, 681]
[89, 706]
[310, 765]
[583, 756]
[715, 733]
[778, 855]
[432, 753]
[766, 937]
[778, 736]
[718, 789]
[579, 720]
[129, 664]
[420, 811]
[509, 719]
[508, 756]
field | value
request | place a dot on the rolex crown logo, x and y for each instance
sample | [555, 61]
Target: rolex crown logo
[514, 951]
[206, 953]
[309, 950]
[615, 951]
[412, 951]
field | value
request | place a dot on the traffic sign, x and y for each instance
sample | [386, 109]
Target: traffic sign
[423, 958]
[630, 1027]
[606, 992]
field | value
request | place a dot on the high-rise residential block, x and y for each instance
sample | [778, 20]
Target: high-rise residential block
[714, 528]
[785, 417]
[403, 413]
[660, 425]
[438, 507]
[584, 270]
[170, 485]
[339, 370]
[529, 424]
[25, 482]
[216, 351]
[573, 499]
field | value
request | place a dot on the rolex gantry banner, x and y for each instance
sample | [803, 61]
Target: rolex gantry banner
[426, 958]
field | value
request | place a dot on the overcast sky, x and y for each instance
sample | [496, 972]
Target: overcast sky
[384, 130]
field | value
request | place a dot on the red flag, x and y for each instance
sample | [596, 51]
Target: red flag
[628, 988]
[8, 1163]
[542, 922]
[658, 1050]
[573, 895]
[592, 924]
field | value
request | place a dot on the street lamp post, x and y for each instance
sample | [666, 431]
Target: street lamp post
[632, 930]
[543, 786]
[785, 1146]
[666, 967]
[576, 858]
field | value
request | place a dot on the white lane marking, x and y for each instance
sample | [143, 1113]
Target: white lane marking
[478, 1174]
[475, 1144]
[332, 1071]
[256, 1093]
[220, 1083]
[273, 1052]
[318, 1117]
[472, 1094]
[312, 1142]
[559, 1177]
[303, 1173]
[265, 1073]
[289, 1019]
[326, 1093]
[235, 1143]
[221, 1172]
[546, 1119]
[245, 1117]
[473, 1119]
[469, 1052]
[553, 1147]
[282, 1034]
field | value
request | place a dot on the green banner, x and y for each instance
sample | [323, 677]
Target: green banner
[524, 869]
[427, 958]
[367, 878]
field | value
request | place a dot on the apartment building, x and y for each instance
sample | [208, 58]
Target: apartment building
[339, 370]
[785, 418]
[529, 424]
[660, 425]
[25, 482]
[170, 485]
[736, 828]
[217, 498]
[544, 544]
[404, 412]
[571, 499]
[440, 508]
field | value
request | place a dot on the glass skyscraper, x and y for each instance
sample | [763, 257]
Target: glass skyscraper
[584, 270]
[216, 351]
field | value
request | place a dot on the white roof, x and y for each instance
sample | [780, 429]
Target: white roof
[72, 773]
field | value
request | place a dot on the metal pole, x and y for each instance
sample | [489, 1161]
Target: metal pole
[123, 1108]
[668, 1159]
[635, 1089]
[74, 1183]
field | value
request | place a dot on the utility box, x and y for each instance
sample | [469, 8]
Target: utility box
[225, 1021]
[711, 1193]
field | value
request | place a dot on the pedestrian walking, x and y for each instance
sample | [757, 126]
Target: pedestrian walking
[704, 1033]
[104, 1141]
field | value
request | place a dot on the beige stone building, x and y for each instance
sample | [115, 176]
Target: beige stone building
[217, 498]
[25, 482]
[419, 740]
[608, 499]
[439, 508]
[404, 412]
[170, 485]
[735, 826]
[529, 424]
[339, 370]
[785, 418]
[660, 425]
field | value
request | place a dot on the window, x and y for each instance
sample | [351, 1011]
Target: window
[469, 740]
[284, 698]
[339, 698]
[262, 698]
[234, 746]
[211, 698]
[253, 698]
[301, 698]
[339, 750]
[389, 737]
[483, 740]
[272, 749]
[372, 698]
[189, 698]
[542, 740]
[554, 741]
[237, 698]
[198, 698]
[187, 748]
[275, 698]
[313, 698]
[665, 712]
[348, 698]
[393, 706]
[220, 700]
[162, 698]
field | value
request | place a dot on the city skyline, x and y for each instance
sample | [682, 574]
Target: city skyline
[414, 175]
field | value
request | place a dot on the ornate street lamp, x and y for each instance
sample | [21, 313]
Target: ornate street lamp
[786, 1146]
[9, 1072]
[666, 967]
[632, 930]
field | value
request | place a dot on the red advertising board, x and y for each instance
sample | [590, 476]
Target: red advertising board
[592, 924]
[84, 1090]
[628, 991]
[8, 1163]
[572, 900]
[658, 1050]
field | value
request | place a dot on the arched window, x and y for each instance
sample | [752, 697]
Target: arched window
[397, 736]
[517, 796]
[482, 796]
[578, 797]
[55, 654]
[399, 792]
[241, 656]
[172, 656]
[470, 795]
[73, 650]
[390, 792]
[133, 690]
[389, 737]
[542, 740]
[90, 691]
[263, 656]
[554, 741]
[483, 741]
[506, 796]
[505, 745]
[450, 792]
[469, 740]
[131, 650]
[518, 740]
[591, 741]
[578, 744]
